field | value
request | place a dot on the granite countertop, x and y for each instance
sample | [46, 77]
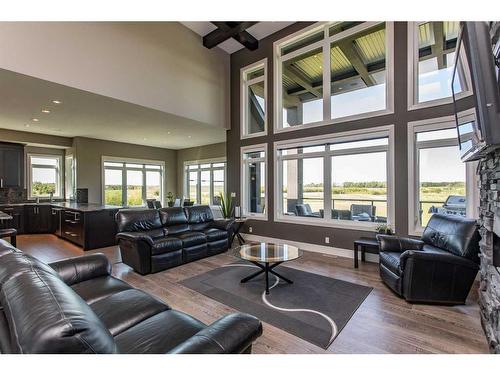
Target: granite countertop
[82, 207]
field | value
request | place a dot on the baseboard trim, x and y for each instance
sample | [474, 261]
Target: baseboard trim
[329, 250]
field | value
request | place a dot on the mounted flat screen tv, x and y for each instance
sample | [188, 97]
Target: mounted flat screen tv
[479, 129]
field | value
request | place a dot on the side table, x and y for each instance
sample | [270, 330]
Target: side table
[365, 245]
[238, 224]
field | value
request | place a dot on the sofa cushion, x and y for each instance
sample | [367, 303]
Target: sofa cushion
[124, 309]
[159, 333]
[133, 220]
[198, 214]
[454, 234]
[391, 260]
[172, 216]
[101, 287]
[165, 245]
[155, 233]
[192, 238]
[44, 315]
[215, 234]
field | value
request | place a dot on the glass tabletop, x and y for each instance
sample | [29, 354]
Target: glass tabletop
[268, 252]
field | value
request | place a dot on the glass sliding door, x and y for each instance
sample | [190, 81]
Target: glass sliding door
[113, 187]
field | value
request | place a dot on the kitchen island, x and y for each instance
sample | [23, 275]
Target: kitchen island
[88, 225]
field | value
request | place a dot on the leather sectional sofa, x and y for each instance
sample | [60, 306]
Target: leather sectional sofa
[440, 268]
[76, 306]
[155, 240]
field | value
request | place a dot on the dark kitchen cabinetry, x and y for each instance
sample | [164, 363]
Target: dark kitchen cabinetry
[38, 218]
[72, 227]
[17, 222]
[11, 165]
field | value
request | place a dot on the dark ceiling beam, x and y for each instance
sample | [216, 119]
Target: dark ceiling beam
[300, 78]
[438, 47]
[227, 30]
[344, 77]
[348, 49]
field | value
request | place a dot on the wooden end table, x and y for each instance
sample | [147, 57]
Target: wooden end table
[365, 245]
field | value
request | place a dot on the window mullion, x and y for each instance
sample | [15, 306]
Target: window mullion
[326, 77]
[124, 186]
[327, 182]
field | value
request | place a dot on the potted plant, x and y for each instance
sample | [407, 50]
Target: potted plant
[384, 229]
[226, 205]
[170, 199]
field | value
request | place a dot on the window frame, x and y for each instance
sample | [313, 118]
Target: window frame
[263, 147]
[348, 136]
[325, 43]
[124, 169]
[59, 174]
[471, 190]
[244, 86]
[413, 103]
[186, 172]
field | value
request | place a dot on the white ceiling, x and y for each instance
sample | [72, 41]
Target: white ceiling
[86, 114]
[259, 31]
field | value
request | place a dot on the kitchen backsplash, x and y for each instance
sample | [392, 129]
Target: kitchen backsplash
[12, 195]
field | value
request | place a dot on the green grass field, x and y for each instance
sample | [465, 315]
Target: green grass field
[113, 195]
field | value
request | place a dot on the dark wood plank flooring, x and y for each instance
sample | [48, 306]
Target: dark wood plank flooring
[384, 323]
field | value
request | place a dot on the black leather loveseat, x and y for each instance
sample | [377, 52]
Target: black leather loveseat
[76, 306]
[439, 268]
[155, 240]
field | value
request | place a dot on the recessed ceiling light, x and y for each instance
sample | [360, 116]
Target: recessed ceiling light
[56, 101]
[27, 125]
[144, 139]
[35, 119]
[45, 111]
[189, 136]
[168, 132]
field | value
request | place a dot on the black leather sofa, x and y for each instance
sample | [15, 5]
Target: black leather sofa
[76, 306]
[440, 268]
[155, 240]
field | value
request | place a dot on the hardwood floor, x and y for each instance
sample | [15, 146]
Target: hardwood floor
[384, 323]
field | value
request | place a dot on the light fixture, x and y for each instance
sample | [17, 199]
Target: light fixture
[35, 119]
[144, 139]
[45, 111]
[189, 136]
[27, 125]
[168, 132]
[56, 101]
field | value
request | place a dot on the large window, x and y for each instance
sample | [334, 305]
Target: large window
[253, 181]
[432, 48]
[131, 182]
[439, 181]
[333, 72]
[45, 176]
[254, 99]
[204, 181]
[341, 180]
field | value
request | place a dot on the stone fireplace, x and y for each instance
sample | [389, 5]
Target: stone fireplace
[489, 290]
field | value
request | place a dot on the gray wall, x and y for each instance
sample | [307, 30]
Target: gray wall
[342, 238]
[89, 154]
[216, 150]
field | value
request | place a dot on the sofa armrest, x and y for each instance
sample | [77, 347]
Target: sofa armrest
[232, 334]
[134, 236]
[223, 224]
[398, 244]
[420, 257]
[78, 269]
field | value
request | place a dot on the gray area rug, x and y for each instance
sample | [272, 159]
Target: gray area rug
[314, 308]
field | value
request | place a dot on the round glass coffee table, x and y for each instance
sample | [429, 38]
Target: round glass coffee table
[267, 256]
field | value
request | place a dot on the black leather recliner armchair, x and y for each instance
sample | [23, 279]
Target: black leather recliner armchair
[155, 240]
[76, 306]
[439, 268]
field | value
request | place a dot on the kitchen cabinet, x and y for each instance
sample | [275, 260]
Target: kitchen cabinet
[17, 213]
[72, 227]
[11, 165]
[38, 218]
